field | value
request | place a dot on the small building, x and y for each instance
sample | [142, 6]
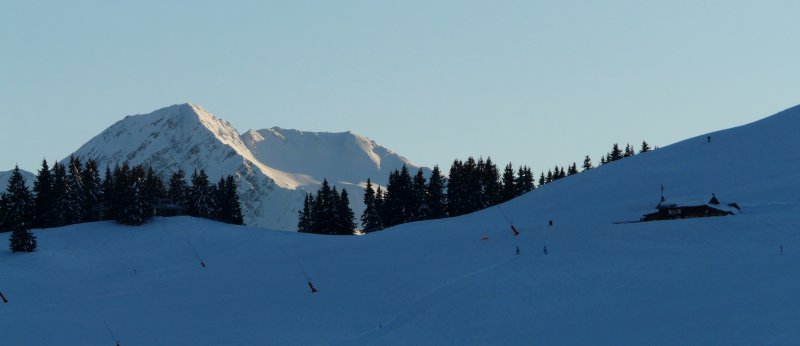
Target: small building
[166, 207]
[689, 208]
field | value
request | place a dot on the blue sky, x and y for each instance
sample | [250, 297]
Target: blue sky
[529, 82]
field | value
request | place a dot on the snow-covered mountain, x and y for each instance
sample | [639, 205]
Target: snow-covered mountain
[4, 176]
[274, 167]
[728, 280]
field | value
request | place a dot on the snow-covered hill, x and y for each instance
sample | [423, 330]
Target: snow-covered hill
[706, 281]
[275, 167]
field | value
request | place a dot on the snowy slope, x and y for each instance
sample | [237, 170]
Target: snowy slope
[703, 281]
[273, 175]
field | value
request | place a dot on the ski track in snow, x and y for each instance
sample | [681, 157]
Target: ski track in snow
[419, 306]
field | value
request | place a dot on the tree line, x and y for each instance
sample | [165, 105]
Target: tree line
[472, 185]
[75, 193]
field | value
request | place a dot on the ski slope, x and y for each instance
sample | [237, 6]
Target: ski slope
[725, 280]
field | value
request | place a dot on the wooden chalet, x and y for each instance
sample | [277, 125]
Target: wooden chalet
[690, 208]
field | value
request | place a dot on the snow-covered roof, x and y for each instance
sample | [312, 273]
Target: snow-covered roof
[694, 201]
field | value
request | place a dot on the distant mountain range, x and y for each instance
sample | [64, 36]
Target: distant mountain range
[274, 167]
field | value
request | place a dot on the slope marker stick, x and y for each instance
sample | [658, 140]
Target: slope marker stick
[516, 232]
[116, 341]
[310, 285]
[202, 264]
[5, 301]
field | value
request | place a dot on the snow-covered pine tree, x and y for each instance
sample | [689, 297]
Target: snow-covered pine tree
[17, 217]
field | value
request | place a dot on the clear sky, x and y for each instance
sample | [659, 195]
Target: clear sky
[529, 82]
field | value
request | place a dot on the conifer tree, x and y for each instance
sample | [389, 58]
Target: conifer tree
[73, 198]
[233, 211]
[178, 189]
[92, 190]
[200, 197]
[380, 205]
[304, 217]
[16, 213]
[127, 202]
[226, 200]
[645, 147]
[60, 212]
[525, 180]
[322, 210]
[370, 218]
[44, 199]
[472, 186]
[490, 184]
[509, 186]
[344, 215]
[629, 151]
[573, 169]
[417, 198]
[399, 198]
[152, 191]
[436, 200]
[543, 179]
[615, 153]
[109, 195]
[456, 189]
[587, 163]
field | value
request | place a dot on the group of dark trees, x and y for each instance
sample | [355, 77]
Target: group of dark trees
[473, 185]
[615, 154]
[327, 212]
[75, 193]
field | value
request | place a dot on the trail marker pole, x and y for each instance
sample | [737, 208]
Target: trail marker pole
[5, 301]
[202, 264]
[116, 341]
[514, 229]
[310, 285]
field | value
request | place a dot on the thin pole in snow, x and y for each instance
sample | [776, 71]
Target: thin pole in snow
[116, 341]
[516, 232]
[202, 264]
[5, 301]
[310, 285]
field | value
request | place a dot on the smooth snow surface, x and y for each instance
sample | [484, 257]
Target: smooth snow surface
[706, 281]
[275, 168]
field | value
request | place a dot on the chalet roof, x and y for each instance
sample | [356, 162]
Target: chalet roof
[696, 201]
